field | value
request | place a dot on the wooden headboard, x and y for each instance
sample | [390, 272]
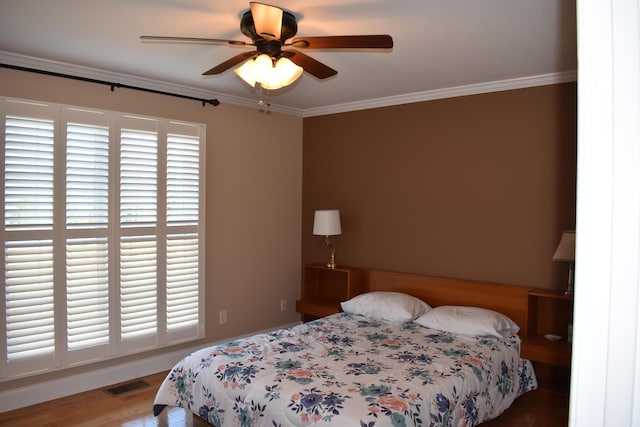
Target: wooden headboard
[510, 300]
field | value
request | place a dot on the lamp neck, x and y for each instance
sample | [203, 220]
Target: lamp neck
[332, 252]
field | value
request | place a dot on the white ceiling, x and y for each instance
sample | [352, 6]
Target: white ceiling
[440, 46]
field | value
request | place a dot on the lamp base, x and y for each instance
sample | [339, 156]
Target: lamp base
[332, 258]
[332, 253]
[569, 291]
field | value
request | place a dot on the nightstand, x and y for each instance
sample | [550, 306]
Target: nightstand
[550, 313]
[323, 289]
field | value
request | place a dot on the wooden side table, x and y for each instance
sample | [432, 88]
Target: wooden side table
[550, 312]
[323, 289]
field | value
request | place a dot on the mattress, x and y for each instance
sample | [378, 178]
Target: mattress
[347, 369]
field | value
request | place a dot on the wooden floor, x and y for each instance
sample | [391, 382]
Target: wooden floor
[133, 409]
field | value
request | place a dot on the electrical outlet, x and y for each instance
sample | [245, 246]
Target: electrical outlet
[223, 317]
[283, 305]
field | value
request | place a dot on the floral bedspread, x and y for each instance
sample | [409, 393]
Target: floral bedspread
[347, 370]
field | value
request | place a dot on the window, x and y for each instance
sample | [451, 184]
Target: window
[102, 236]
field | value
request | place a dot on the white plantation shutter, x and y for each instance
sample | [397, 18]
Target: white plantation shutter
[28, 215]
[87, 293]
[102, 235]
[87, 176]
[138, 178]
[182, 281]
[183, 172]
[30, 328]
[87, 245]
[138, 287]
[184, 243]
[28, 173]
[138, 254]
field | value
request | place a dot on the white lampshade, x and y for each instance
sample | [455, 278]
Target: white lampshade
[327, 223]
[246, 72]
[566, 250]
[262, 68]
[284, 73]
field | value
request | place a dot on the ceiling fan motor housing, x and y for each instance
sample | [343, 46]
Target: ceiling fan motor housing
[273, 47]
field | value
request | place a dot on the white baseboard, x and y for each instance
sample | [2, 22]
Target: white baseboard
[48, 390]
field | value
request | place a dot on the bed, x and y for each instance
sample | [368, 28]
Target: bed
[410, 351]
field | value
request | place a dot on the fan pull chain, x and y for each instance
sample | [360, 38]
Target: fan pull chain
[262, 102]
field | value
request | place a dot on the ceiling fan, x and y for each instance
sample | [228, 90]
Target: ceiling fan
[270, 28]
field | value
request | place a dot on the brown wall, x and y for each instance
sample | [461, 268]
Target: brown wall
[477, 187]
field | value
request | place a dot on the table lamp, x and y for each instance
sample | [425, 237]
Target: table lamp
[327, 223]
[566, 251]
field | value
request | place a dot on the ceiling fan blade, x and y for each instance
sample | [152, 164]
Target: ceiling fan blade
[193, 40]
[379, 41]
[310, 65]
[221, 68]
[267, 19]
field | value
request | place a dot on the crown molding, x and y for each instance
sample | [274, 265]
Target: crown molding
[128, 79]
[430, 95]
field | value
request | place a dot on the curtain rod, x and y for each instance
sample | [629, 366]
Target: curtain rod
[113, 85]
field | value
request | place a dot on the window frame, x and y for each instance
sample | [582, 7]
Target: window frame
[114, 233]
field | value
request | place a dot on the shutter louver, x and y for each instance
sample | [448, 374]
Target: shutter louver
[87, 293]
[138, 178]
[87, 176]
[183, 176]
[182, 281]
[28, 177]
[138, 286]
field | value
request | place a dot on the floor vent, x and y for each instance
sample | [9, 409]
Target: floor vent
[127, 387]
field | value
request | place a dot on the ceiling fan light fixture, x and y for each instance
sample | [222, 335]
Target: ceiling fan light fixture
[267, 20]
[262, 70]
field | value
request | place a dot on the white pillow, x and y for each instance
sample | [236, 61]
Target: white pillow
[465, 320]
[390, 306]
